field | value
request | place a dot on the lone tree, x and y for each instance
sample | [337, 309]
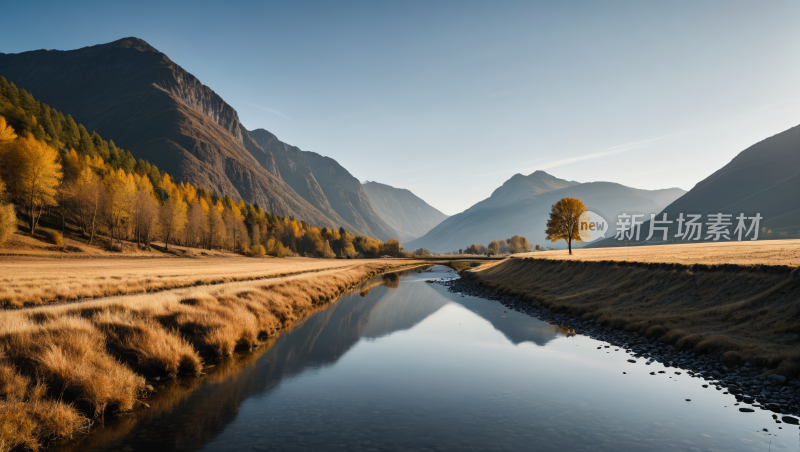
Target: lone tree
[564, 221]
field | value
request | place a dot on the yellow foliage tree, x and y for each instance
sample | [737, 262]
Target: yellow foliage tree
[564, 219]
[119, 201]
[6, 132]
[173, 214]
[34, 173]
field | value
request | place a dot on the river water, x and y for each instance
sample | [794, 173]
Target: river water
[401, 364]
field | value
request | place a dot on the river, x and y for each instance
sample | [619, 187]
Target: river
[401, 364]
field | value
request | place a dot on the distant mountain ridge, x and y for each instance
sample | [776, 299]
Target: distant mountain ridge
[763, 179]
[130, 92]
[521, 206]
[404, 211]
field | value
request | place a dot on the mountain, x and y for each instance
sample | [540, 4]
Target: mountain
[322, 182]
[763, 179]
[663, 197]
[404, 211]
[521, 206]
[130, 92]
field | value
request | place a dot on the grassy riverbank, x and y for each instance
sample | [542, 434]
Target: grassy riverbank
[63, 366]
[34, 281]
[748, 308]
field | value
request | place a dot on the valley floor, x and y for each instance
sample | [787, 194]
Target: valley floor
[764, 252]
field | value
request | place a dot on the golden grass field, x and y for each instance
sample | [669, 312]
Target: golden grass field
[63, 365]
[29, 281]
[765, 252]
[744, 298]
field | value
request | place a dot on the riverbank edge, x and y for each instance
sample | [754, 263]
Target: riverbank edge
[738, 380]
[29, 421]
[751, 312]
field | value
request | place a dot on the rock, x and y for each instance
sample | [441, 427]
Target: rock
[747, 410]
[774, 407]
[790, 420]
[631, 360]
[778, 379]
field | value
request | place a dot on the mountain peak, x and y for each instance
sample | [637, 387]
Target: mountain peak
[132, 43]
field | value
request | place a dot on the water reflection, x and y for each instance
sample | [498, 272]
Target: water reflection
[404, 365]
[187, 414]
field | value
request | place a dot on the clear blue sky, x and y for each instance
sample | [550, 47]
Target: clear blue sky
[450, 99]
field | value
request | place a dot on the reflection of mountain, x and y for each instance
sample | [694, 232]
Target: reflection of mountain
[188, 418]
[516, 327]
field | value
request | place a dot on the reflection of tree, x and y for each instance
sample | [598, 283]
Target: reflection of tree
[391, 280]
[565, 330]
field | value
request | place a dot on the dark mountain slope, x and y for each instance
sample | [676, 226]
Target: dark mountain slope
[409, 215]
[128, 91]
[764, 179]
[325, 184]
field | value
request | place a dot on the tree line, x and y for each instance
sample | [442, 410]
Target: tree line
[516, 244]
[52, 168]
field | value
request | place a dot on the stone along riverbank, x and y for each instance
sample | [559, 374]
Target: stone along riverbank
[747, 384]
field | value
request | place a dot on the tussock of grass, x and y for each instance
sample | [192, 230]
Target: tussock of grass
[90, 358]
[750, 310]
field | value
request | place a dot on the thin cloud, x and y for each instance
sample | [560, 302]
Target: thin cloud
[268, 110]
[607, 151]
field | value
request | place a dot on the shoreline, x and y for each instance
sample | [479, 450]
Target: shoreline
[773, 392]
[751, 312]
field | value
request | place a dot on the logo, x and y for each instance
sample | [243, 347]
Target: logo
[592, 226]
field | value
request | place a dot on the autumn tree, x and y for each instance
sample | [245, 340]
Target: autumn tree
[119, 201]
[173, 217]
[7, 134]
[87, 194]
[146, 212]
[564, 221]
[33, 172]
[518, 244]
[494, 247]
[392, 247]
[8, 218]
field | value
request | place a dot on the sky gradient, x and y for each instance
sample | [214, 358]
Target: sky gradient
[450, 99]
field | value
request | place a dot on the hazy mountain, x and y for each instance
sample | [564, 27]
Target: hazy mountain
[130, 92]
[522, 206]
[404, 211]
[322, 182]
[663, 197]
[764, 179]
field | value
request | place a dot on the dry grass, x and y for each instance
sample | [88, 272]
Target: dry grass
[752, 310]
[32, 281]
[765, 252]
[90, 358]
